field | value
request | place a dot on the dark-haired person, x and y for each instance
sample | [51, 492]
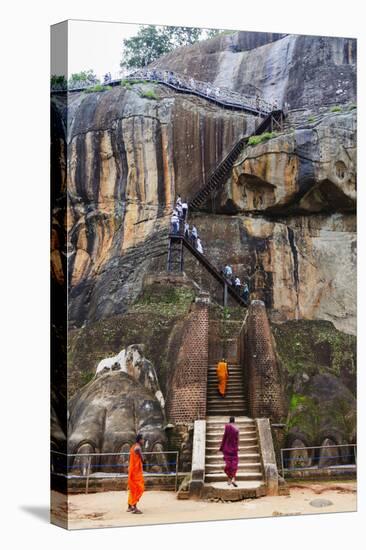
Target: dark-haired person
[230, 447]
[136, 484]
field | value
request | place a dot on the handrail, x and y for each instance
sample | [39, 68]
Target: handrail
[209, 267]
[222, 95]
[230, 158]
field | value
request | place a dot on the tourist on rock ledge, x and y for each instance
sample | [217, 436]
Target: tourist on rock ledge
[229, 447]
[136, 484]
[222, 372]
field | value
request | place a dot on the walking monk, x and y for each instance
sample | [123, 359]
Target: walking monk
[136, 483]
[229, 447]
[222, 374]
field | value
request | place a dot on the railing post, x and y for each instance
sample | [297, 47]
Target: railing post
[87, 475]
[225, 294]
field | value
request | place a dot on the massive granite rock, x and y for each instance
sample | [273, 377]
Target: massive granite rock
[301, 70]
[128, 156]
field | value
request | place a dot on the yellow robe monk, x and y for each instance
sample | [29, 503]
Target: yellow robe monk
[136, 483]
[222, 375]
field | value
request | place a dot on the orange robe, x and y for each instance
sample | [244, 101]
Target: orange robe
[222, 375]
[136, 483]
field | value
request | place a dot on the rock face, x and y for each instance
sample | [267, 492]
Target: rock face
[299, 70]
[109, 411]
[285, 218]
[127, 158]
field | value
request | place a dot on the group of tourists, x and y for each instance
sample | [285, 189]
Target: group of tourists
[235, 282]
[180, 225]
[179, 216]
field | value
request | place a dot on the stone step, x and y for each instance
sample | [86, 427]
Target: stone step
[210, 449]
[222, 400]
[252, 476]
[244, 458]
[229, 405]
[215, 442]
[231, 412]
[240, 421]
[218, 467]
[216, 435]
[244, 432]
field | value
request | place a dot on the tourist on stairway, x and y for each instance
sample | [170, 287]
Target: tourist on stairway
[186, 230]
[179, 210]
[237, 283]
[174, 220]
[185, 209]
[199, 246]
[228, 271]
[245, 293]
[135, 481]
[222, 372]
[230, 447]
[194, 235]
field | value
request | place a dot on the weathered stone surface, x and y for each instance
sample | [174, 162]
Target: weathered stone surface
[100, 415]
[307, 171]
[302, 70]
[303, 267]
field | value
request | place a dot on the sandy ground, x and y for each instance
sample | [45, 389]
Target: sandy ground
[109, 509]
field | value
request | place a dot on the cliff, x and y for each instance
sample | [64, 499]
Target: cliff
[285, 218]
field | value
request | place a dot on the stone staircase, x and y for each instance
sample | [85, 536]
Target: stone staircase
[250, 468]
[234, 403]
[250, 479]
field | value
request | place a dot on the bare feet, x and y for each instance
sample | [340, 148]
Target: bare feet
[136, 511]
[234, 484]
[130, 508]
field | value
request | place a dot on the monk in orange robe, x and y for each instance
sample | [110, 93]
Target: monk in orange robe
[222, 372]
[136, 483]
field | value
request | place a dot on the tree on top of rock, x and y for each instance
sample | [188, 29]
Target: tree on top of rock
[151, 42]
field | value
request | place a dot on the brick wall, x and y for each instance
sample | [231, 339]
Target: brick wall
[262, 370]
[186, 400]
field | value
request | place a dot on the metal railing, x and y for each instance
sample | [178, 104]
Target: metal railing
[313, 457]
[222, 94]
[97, 466]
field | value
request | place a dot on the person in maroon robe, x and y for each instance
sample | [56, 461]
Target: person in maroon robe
[229, 447]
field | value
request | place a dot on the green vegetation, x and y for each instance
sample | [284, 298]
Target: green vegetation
[97, 88]
[255, 140]
[311, 119]
[83, 78]
[58, 82]
[151, 42]
[304, 414]
[314, 347]
[336, 109]
[149, 94]
[352, 107]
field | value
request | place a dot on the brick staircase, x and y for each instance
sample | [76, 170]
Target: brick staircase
[234, 403]
[249, 478]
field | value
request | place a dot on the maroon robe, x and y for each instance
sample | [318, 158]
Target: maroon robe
[229, 447]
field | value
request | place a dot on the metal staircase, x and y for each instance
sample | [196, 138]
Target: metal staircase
[177, 244]
[219, 176]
